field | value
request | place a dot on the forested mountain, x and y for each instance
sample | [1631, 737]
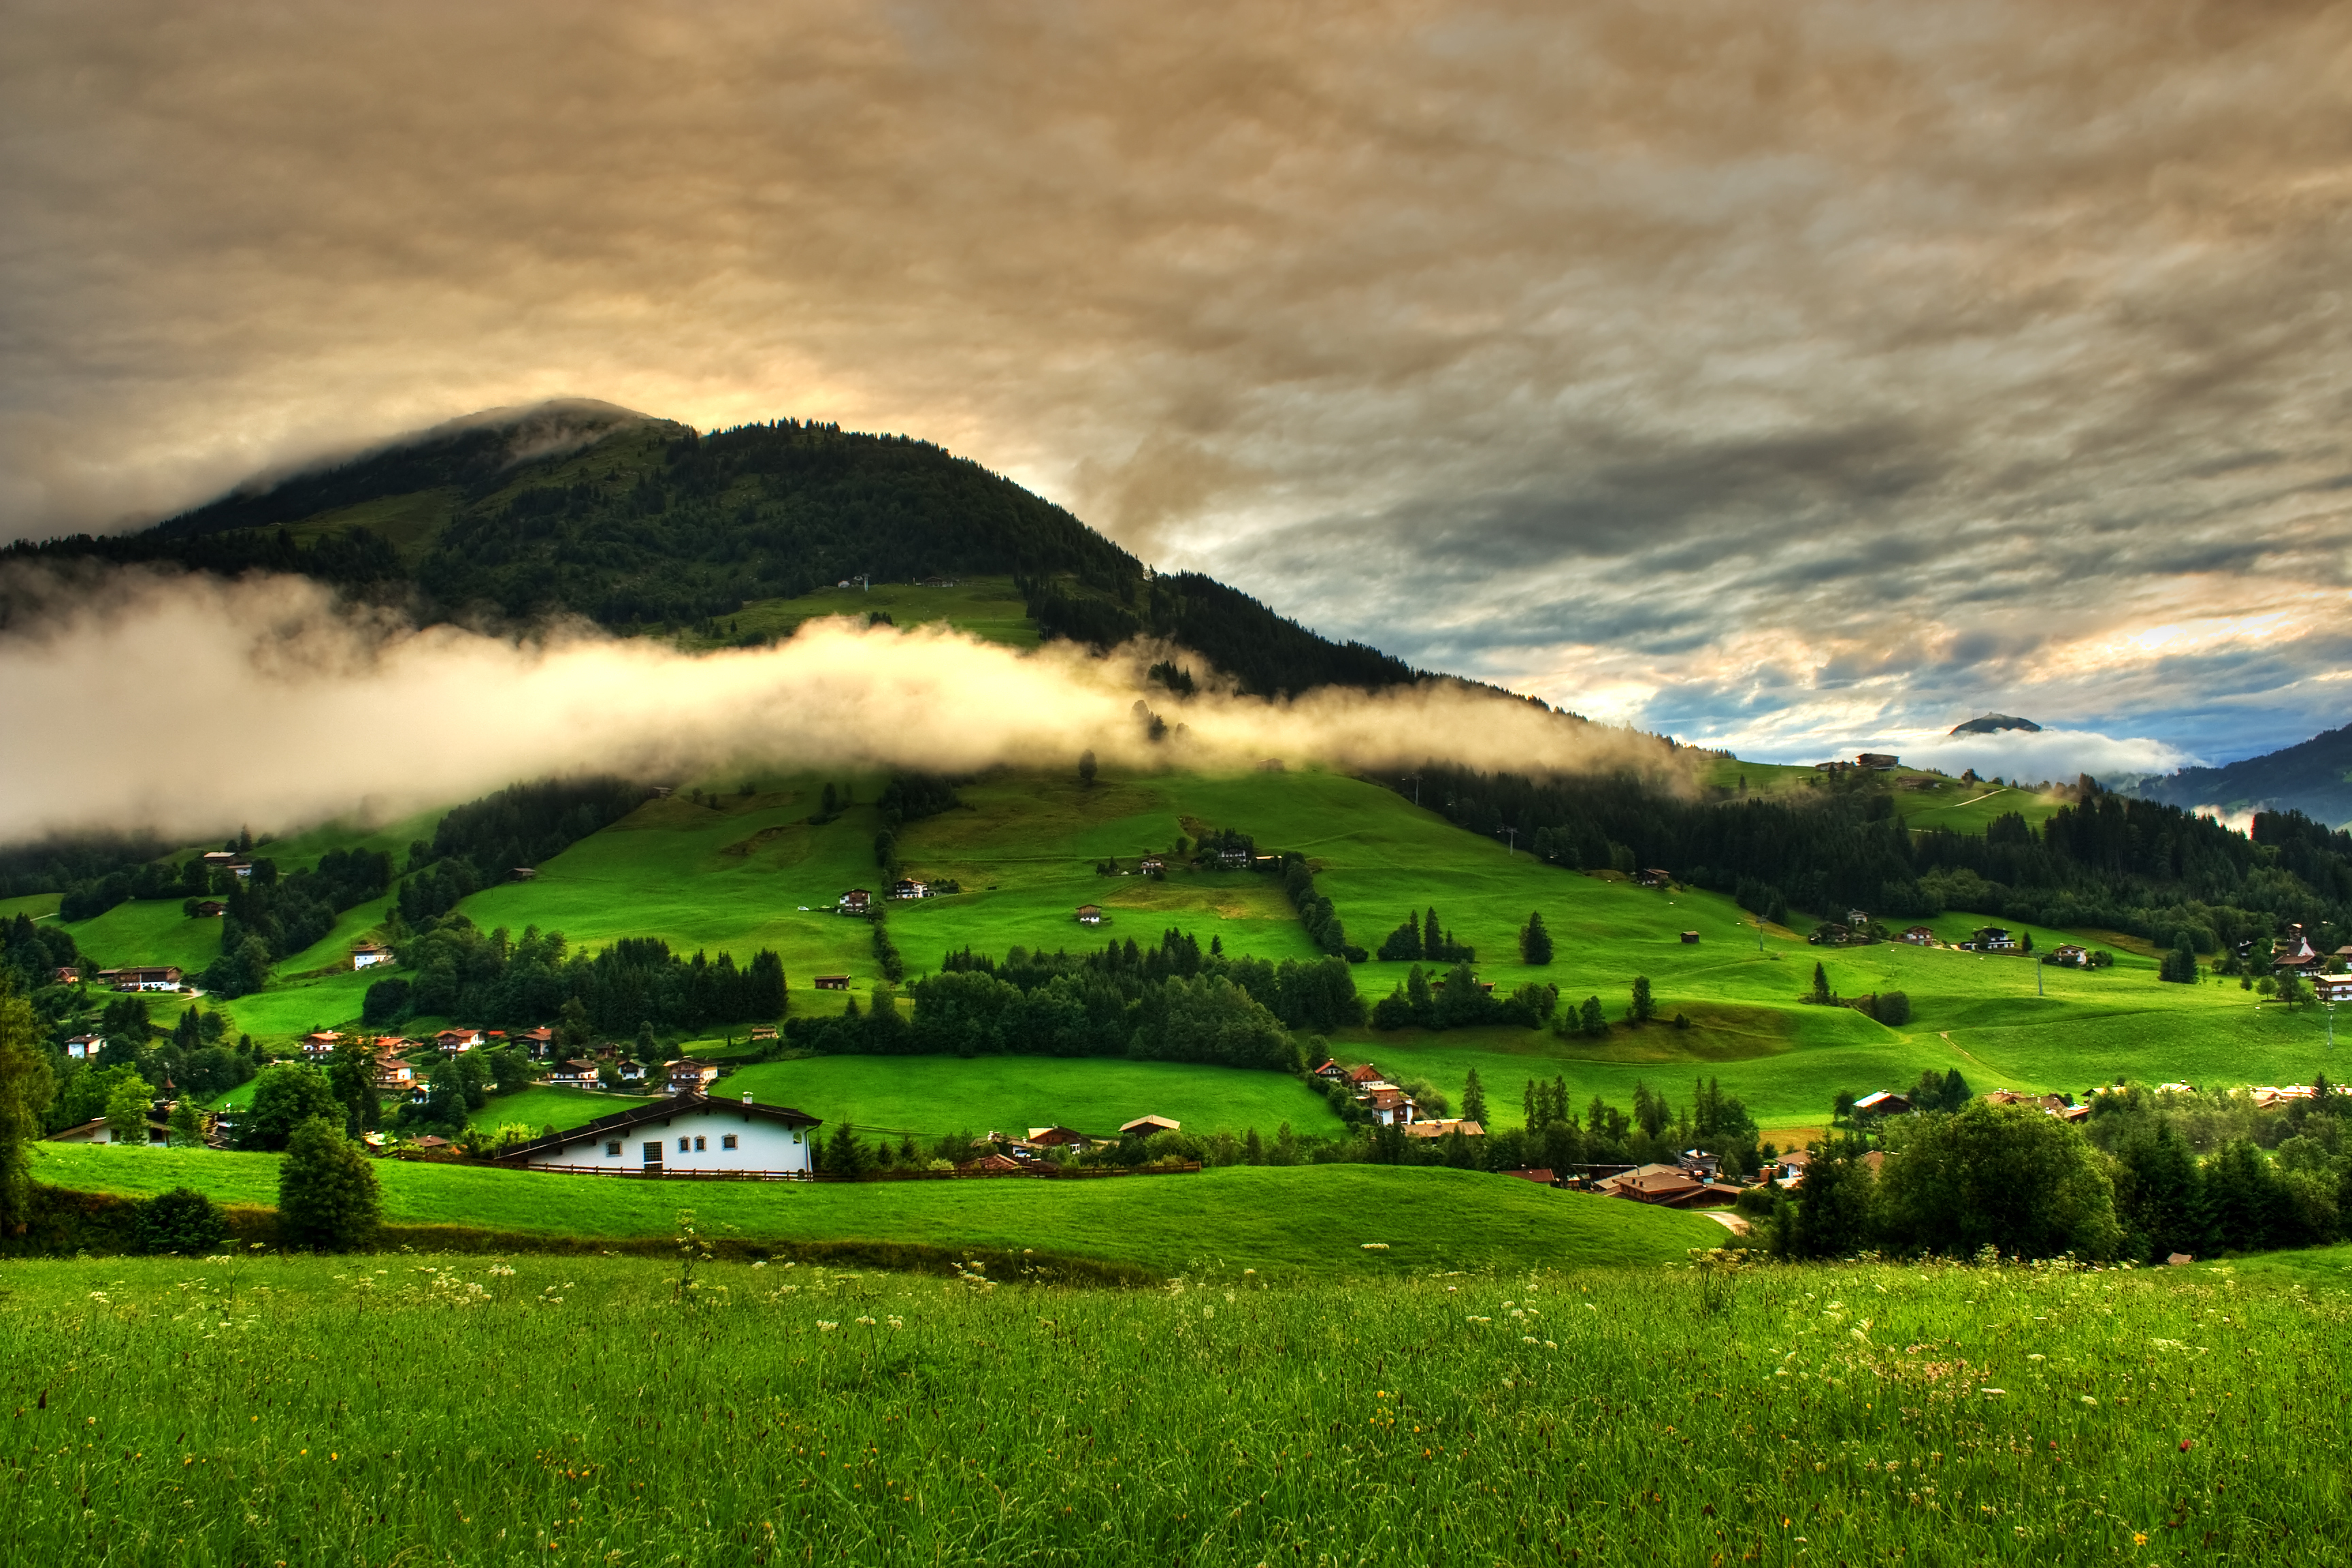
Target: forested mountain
[2313, 778]
[638, 523]
[2110, 862]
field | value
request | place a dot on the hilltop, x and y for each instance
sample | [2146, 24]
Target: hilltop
[642, 524]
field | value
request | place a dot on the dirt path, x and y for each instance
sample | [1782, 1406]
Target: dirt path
[1734, 1223]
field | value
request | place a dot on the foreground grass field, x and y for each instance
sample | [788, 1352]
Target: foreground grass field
[1308, 1220]
[424, 1409]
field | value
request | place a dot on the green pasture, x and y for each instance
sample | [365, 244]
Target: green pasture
[145, 931]
[932, 1095]
[987, 607]
[300, 1410]
[1308, 1219]
[1935, 800]
[333, 951]
[37, 905]
[543, 1106]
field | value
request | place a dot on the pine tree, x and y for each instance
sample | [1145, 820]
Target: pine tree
[1821, 984]
[1252, 1148]
[1086, 769]
[1474, 1099]
[1535, 941]
[327, 1196]
[1432, 937]
[1590, 1020]
[1530, 1109]
[1644, 1008]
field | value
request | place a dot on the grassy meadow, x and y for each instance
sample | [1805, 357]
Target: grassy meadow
[571, 1409]
[1312, 1219]
[751, 872]
[989, 607]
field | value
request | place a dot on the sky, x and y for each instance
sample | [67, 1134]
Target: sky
[1794, 377]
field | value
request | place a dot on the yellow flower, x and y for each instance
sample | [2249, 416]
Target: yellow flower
[2140, 1538]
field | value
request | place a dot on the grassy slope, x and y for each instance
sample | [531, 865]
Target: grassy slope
[543, 1106]
[34, 904]
[1025, 851]
[1313, 1218]
[930, 1096]
[988, 607]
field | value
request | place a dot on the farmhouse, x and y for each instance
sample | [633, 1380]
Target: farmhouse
[1877, 762]
[539, 1040]
[832, 983]
[207, 909]
[1057, 1138]
[909, 887]
[1690, 939]
[82, 1048]
[1652, 877]
[1152, 866]
[577, 1073]
[68, 975]
[2332, 988]
[456, 1042]
[1234, 858]
[1090, 914]
[395, 1075]
[1918, 936]
[2068, 956]
[1882, 1103]
[687, 1136]
[1145, 1126]
[689, 1076]
[159, 1131]
[1667, 1184]
[320, 1045]
[1366, 1074]
[524, 874]
[2294, 950]
[763, 1031]
[857, 901]
[220, 859]
[162, 977]
[1390, 1106]
[1991, 939]
[368, 954]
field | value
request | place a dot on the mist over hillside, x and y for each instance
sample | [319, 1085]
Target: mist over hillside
[2314, 777]
[515, 517]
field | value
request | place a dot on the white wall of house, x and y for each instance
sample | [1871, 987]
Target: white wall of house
[101, 1133]
[761, 1143]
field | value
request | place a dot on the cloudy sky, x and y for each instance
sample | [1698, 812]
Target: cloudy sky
[1784, 375]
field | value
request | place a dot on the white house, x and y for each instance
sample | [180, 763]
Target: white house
[97, 1132]
[160, 977]
[82, 1048]
[455, 1041]
[368, 954]
[690, 1135]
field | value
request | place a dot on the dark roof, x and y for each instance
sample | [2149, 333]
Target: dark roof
[659, 1110]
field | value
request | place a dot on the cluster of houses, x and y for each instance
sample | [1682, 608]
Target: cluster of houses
[860, 900]
[1391, 1106]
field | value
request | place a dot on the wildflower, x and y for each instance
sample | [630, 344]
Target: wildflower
[2140, 1538]
[1376, 1246]
[867, 1323]
[1994, 1393]
[763, 1263]
[1550, 1346]
[1529, 1340]
[2089, 1400]
[2187, 1444]
[896, 1322]
[824, 1326]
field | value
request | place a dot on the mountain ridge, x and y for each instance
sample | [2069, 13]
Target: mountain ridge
[2313, 776]
[638, 522]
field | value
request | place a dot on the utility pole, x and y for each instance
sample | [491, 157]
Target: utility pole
[2038, 967]
[1512, 846]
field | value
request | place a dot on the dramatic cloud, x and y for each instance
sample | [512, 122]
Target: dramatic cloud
[293, 711]
[1773, 374]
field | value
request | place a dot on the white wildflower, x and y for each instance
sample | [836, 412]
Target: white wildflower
[824, 1326]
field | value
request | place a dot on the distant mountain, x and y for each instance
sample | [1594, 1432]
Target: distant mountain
[2313, 778]
[1992, 722]
[640, 523]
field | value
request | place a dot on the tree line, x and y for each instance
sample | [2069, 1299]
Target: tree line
[454, 968]
[2107, 862]
[1171, 1002]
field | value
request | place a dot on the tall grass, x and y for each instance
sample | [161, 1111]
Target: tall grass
[424, 1409]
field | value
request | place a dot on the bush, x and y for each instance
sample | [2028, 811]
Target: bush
[326, 1196]
[387, 1003]
[285, 1096]
[1892, 1008]
[183, 1220]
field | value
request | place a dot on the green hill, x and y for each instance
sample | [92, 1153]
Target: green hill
[641, 523]
[739, 873]
[1314, 1219]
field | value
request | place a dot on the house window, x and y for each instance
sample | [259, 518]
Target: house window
[612, 1148]
[700, 1145]
[727, 1140]
[685, 1145]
